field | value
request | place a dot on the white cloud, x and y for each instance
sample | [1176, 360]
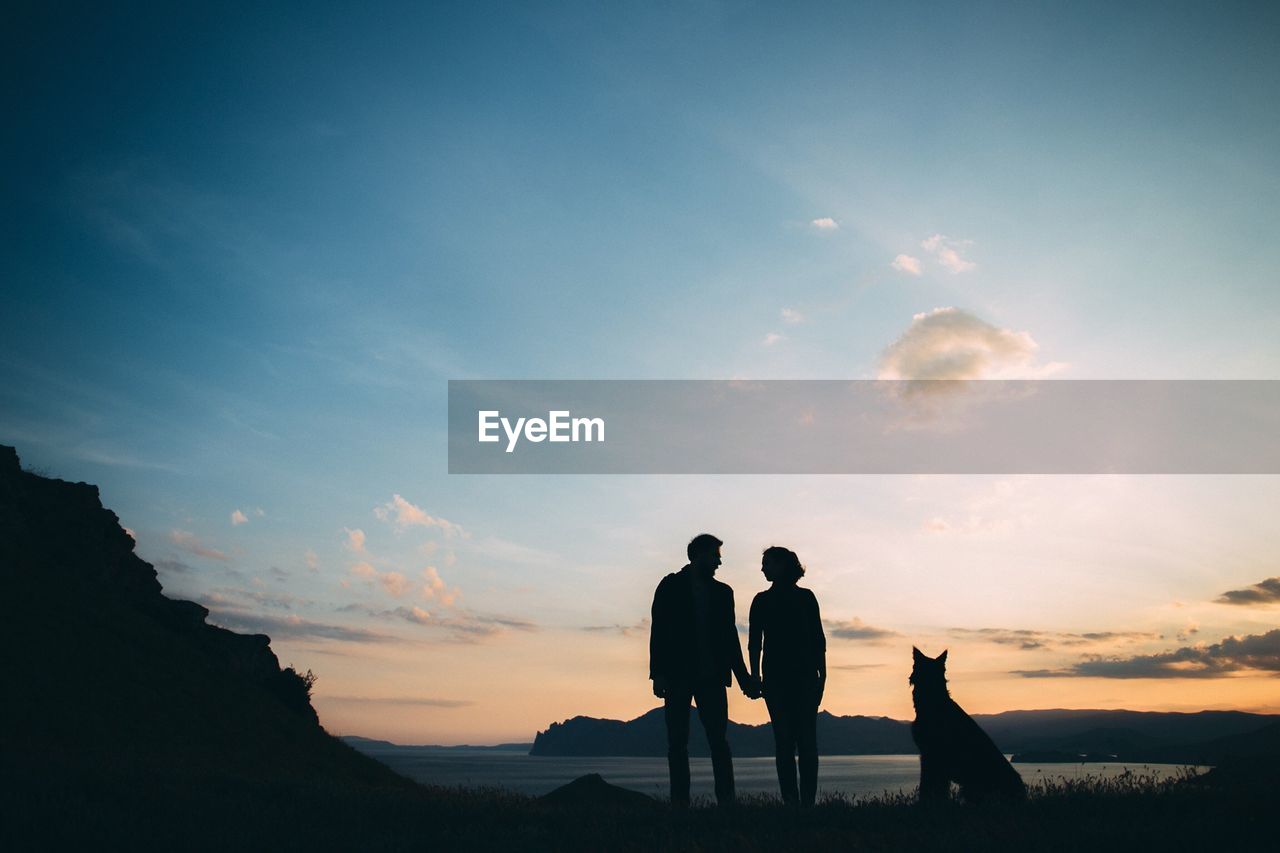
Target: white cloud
[947, 252]
[364, 570]
[394, 583]
[772, 338]
[355, 539]
[792, 316]
[238, 517]
[947, 343]
[906, 264]
[313, 562]
[435, 587]
[825, 223]
[404, 514]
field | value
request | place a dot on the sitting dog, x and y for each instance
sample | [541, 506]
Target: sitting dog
[952, 746]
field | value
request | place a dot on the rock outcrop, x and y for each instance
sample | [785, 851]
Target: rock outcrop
[102, 671]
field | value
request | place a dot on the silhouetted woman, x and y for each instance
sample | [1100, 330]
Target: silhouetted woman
[786, 624]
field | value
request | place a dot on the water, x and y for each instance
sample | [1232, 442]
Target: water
[848, 774]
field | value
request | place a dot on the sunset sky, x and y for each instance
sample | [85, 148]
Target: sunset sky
[245, 251]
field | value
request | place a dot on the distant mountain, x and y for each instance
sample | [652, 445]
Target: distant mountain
[371, 746]
[647, 735]
[1141, 735]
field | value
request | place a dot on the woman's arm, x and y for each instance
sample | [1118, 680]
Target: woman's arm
[755, 634]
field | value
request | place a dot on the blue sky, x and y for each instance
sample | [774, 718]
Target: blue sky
[246, 248]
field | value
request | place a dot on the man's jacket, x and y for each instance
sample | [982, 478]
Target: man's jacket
[673, 641]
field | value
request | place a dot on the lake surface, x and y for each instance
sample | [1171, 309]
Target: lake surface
[848, 774]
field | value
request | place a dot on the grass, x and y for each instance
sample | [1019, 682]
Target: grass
[191, 811]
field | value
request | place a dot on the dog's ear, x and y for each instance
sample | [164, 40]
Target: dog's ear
[916, 655]
[942, 658]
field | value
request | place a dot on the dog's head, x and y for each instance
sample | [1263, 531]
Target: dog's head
[928, 674]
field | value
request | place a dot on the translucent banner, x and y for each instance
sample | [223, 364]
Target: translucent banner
[864, 427]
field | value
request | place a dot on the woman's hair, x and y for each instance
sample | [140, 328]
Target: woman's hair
[787, 560]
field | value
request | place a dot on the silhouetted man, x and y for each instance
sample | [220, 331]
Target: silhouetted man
[693, 649]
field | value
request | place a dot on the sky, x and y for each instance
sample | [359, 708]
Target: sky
[247, 247]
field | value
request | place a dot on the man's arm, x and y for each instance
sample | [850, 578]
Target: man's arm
[658, 626]
[736, 663]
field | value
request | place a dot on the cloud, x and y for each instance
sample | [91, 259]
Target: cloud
[639, 628]
[416, 701]
[825, 223]
[947, 252]
[792, 316]
[947, 343]
[856, 629]
[355, 539]
[1254, 653]
[1028, 640]
[238, 517]
[404, 514]
[1262, 592]
[435, 587]
[187, 541]
[906, 264]
[459, 626]
[291, 627]
[772, 338]
[364, 570]
[175, 566]
[312, 561]
[394, 583]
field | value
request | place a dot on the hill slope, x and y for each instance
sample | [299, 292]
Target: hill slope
[113, 687]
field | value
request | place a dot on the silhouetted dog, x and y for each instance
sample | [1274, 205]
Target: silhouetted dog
[952, 746]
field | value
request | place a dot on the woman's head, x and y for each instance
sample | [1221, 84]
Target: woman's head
[781, 565]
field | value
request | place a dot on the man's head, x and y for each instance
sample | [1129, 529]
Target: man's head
[704, 553]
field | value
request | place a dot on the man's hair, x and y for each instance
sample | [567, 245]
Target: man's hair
[787, 560]
[703, 543]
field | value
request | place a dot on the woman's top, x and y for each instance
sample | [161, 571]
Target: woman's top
[785, 621]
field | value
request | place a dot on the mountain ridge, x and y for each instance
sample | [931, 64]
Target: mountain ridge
[1174, 736]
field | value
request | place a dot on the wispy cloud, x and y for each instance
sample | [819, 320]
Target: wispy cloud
[1263, 592]
[638, 629]
[189, 542]
[791, 316]
[1257, 653]
[459, 626]
[238, 517]
[415, 701]
[1028, 640]
[291, 627]
[906, 264]
[948, 252]
[856, 629]
[824, 223]
[947, 343]
[772, 338]
[404, 514]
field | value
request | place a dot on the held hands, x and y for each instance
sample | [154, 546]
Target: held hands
[750, 686]
[659, 687]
